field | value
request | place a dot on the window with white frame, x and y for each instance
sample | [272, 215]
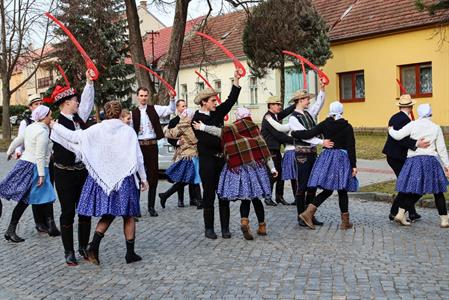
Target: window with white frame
[253, 90]
[184, 92]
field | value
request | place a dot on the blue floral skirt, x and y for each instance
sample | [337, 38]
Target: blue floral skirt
[21, 185]
[332, 171]
[244, 183]
[289, 170]
[185, 170]
[94, 202]
[421, 175]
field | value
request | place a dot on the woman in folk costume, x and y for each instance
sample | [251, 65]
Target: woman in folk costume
[245, 176]
[111, 153]
[422, 172]
[335, 168]
[185, 170]
[29, 181]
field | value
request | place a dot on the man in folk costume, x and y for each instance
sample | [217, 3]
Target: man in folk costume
[194, 189]
[304, 118]
[70, 172]
[43, 214]
[396, 151]
[274, 140]
[211, 157]
[145, 120]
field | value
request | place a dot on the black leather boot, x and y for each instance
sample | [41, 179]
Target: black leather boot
[181, 196]
[225, 213]
[67, 237]
[151, 201]
[83, 237]
[198, 197]
[193, 201]
[10, 234]
[93, 248]
[280, 200]
[177, 187]
[131, 256]
[52, 229]
[70, 258]
[40, 218]
[208, 214]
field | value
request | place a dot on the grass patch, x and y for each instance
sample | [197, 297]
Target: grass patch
[369, 146]
[389, 187]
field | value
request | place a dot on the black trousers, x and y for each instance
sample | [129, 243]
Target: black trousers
[151, 162]
[245, 207]
[69, 185]
[406, 201]
[396, 165]
[210, 169]
[277, 159]
[304, 194]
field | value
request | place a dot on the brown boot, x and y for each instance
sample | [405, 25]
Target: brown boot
[262, 230]
[244, 225]
[307, 216]
[345, 224]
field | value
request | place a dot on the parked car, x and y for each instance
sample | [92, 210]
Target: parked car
[166, 152]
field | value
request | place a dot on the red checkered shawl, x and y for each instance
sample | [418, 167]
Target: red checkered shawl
[243, 144]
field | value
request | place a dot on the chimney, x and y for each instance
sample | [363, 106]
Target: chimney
[143, 4]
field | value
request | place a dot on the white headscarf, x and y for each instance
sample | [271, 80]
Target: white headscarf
[187, 113]
[336, 110]
[242, 112]
[424, 110]
[39, 113]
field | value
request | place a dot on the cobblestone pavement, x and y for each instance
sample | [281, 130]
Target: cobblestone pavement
[376, 259]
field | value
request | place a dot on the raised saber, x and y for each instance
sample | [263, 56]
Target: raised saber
[323, 77]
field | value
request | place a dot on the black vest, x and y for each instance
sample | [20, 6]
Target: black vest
[60, 154]
[307, 121]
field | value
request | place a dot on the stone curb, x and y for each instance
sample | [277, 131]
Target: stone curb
[385, 197]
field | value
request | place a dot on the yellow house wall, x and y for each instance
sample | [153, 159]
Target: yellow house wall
[380, 58]
[20, 96]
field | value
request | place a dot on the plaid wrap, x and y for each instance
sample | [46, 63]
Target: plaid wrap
[243, 144]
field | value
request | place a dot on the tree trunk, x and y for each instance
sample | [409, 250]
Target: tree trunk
[171, 65]
[136, 46]
[282, 69]
[6, 125]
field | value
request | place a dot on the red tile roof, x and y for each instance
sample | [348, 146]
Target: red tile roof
[162, 41]
[227, 29]
[364, 18]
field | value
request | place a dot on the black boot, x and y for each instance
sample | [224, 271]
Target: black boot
[208, 214]
[192, 196]
[83, 236]
[280, 200]
[151, 201]
[181, 197]
[131, 256]
[224, 220]
[39, 218]
[270, 202]
[1, 208]
[177, 187]
[67, 238]
[52, 229]
[70, 258]
[198, 197]
[92, 250]
[10, 234]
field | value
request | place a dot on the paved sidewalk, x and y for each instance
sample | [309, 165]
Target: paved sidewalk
[373, 171]
[374, 260]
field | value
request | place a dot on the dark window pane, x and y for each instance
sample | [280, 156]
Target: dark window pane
[346, 86]
[409, 79]
[425, 79]
[359, 85]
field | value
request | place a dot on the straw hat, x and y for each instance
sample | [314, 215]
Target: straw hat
[405, 101]
[204, 94]
[33, 98]
[301, 94]
[274, 100]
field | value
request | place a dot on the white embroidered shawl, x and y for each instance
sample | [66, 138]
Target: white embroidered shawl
[110, 150]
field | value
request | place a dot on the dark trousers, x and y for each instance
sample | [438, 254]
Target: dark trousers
[210, 169]
[277, 159]
[304, 194]
[69, 185]
[396, 165]
[406, 201]
[342, 199]
[151, 162]
[245, 207]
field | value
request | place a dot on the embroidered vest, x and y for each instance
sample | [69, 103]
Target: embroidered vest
[60, 154]
[154, 119]
[307, 121]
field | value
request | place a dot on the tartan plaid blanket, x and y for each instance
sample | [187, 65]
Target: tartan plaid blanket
[243, 144]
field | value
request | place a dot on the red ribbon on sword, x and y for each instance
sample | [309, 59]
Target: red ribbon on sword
[323, 77]
[89, 63]
[210, 86]
[238, 65]
[167, 85]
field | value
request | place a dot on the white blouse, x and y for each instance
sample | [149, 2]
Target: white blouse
[431, 132]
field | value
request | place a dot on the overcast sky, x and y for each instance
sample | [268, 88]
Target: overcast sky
[196, 8]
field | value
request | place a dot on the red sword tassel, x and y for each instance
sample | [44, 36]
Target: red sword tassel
[323, 77]
[167, 85]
